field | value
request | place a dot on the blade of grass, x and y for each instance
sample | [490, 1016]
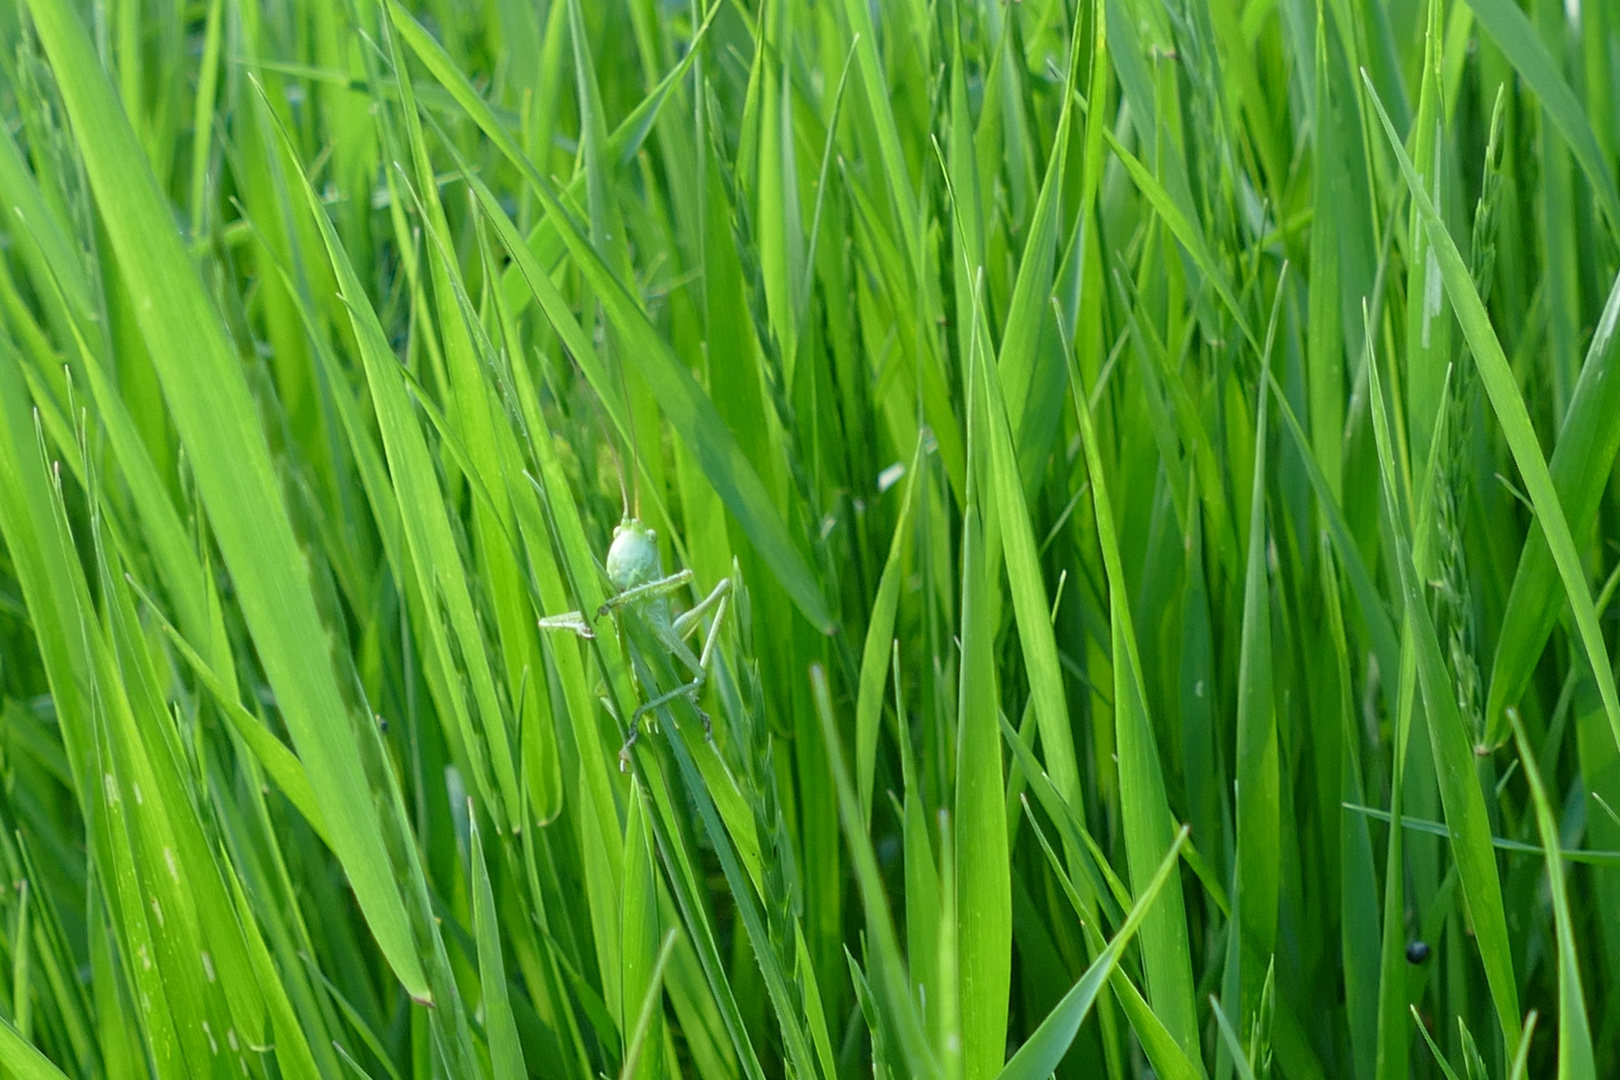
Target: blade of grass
[1144, 807]
[1509, 406]
[689, 409]
[879, 638]
[228, 453]
[983, 884]
[1046, 1047]
[1454, 764]
[892, 990]
[1513, 33]
[24, 1061]
[1575, 1056]
[649, 1005]
[1582, 459]
[1257, 769]
[505, 1054]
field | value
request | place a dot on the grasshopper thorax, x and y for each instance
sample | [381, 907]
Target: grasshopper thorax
[633, 557]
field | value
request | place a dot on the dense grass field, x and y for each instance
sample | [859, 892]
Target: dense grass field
[1134, 478]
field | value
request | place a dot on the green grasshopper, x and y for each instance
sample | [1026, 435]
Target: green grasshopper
[643, 591]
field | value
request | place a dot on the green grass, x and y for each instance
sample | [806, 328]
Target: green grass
[1162, 452]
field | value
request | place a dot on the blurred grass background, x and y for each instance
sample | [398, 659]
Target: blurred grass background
[1113, 416]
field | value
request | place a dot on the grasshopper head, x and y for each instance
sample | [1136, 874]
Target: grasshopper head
[633, 557]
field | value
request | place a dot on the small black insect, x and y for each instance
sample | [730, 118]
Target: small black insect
[1417, 952]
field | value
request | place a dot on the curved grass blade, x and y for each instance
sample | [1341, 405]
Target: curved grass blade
[1190, 235]
[1512, 32]
[1508, 403]
[215, 414]
[1521, 1061]
[1233, 1044]
[1045, 1049]
[1439, 1055]
[1144, 807]
[22, 1060]
[1581, 462]
[1453, 758]
[689, 409]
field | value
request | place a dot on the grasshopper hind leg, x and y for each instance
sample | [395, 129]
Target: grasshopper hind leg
[673, 637]
[689, 690]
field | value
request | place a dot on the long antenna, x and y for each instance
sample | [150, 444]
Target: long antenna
[635, 441]
[618, 465]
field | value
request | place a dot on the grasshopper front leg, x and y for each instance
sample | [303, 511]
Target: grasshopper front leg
[572, 621]
[648, 591]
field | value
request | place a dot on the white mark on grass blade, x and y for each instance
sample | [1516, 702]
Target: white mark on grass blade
[213, 1047]
[208, 965]
[168, 858]
[157, 910]
[1433, 286]
[230, 1037]
[890, 476]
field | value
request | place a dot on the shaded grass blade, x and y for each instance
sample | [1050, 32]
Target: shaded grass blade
[1044, 1049]
[1508, 403]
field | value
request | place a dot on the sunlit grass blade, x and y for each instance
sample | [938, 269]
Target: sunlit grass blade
[22, 1059]
[336, 340]
[231, 460]
[690, 411]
